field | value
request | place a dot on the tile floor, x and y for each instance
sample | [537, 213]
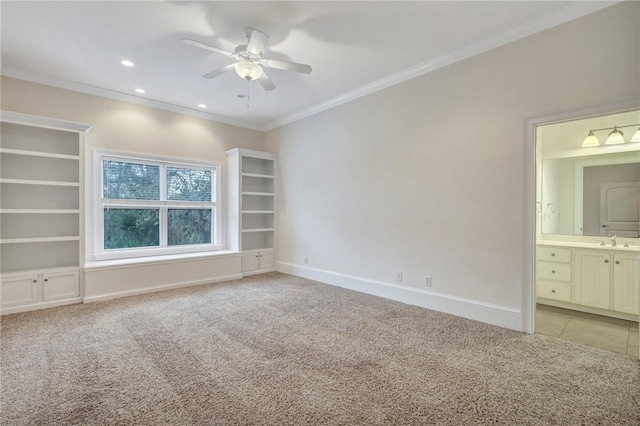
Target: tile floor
[593, 330]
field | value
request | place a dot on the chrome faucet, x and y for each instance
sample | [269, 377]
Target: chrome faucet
[613, 241]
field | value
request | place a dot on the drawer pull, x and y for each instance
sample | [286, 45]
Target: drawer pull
[553, 291]
[553, 271]
[35, 281]
[46, 279]
[553, 254]
[617, 262]
[606, 261]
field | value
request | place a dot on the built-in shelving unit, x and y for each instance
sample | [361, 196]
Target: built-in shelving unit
[251, 218]
[41, 200]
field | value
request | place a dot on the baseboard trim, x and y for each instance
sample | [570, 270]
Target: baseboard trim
[157, 288]
[42, 305]
[590, 310]
[501, 316]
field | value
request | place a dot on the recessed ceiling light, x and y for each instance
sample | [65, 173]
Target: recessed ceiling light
[127, 63]
[139, 90]
[202, 106]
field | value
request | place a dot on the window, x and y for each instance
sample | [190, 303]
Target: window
[151, 206]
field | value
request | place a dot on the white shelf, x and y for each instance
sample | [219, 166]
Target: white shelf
[47, 211]
[258, 175]
[258, 230]
[264, 249]
[258, 212]
[37, 240]
[265, 194]
[39, 154]
[38, 182]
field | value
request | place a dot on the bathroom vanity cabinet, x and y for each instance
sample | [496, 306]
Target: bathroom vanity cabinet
[603, 280]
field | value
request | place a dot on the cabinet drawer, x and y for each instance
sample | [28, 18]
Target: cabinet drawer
[554, 271]
[553, 254]
[554, 290]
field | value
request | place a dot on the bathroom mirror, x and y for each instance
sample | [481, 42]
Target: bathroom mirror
[597, 195]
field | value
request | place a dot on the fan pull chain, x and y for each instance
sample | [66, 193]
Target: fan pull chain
[248, 93]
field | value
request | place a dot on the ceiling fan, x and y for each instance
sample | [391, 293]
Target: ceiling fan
[249, 59]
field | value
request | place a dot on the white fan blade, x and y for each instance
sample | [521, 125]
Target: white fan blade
[219, 71]
[207, 47]
[288, 66]
[265, 82]
[256, 42]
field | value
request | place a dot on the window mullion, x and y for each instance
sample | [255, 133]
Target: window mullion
[164, 226]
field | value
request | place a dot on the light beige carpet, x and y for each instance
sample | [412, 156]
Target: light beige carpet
[280, 350]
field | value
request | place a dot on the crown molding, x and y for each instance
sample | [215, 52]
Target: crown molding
[569, 13]
[111, 94]
[573, 11]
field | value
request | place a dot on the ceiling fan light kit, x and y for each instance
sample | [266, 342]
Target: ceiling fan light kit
[248, 70]
[250, 62]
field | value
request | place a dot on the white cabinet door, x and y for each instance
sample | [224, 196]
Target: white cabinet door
[250, 262]
[626, 282]
[593, 279]
[19, 291]
[266, 260]
[60, 286]
[257, 261]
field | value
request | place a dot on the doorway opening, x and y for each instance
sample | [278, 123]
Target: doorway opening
[587, 232]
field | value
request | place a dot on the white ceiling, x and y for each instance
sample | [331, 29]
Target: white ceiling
[354, 48]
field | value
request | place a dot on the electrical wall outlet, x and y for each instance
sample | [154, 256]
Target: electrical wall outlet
[399, 276]
[427, 281]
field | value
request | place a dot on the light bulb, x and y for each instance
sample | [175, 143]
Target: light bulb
[615, 137]
[636, 136]
[590, 140]
[248, 70]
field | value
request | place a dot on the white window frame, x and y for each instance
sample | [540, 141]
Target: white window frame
[99, 252]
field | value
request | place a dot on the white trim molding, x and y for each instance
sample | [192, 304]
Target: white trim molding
[569, 13]
[529, 193]
[501, 316]
[572, 11]
[124, 97]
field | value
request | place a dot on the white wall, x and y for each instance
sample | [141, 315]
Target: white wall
[130, 127]
[426, 177]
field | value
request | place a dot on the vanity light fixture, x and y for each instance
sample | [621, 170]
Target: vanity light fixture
[615, 136]
[591, 140]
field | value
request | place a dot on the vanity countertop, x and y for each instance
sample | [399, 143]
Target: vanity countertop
[573, 244]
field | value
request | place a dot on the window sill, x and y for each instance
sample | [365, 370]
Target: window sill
[169, 258]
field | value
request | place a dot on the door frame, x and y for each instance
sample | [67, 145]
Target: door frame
[528, 293]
